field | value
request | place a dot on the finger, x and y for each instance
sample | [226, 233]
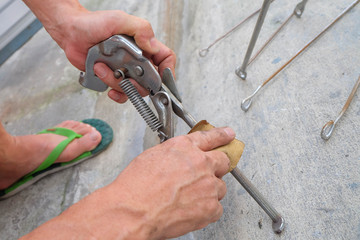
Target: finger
[221, 189]
[118, 97]
[216, 137]
[165, 58]
[220, 162]
[107, 76]
[144, 37]
[136, 27]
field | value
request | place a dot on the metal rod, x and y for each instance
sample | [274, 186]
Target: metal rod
[204, 52]
[298, 11]
[278, 220]
[241, 71]
[328, 128]
[246, 103]
[270, 39]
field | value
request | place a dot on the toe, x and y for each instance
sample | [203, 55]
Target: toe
[90, 139]
[78, 127]
[83, 129]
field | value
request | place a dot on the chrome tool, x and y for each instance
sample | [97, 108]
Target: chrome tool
[125, 58]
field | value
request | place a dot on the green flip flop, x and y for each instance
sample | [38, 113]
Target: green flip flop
[48, 166]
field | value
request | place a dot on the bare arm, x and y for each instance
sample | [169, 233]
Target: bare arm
[165, 192]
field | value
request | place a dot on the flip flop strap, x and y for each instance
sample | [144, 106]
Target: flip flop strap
[70, 134]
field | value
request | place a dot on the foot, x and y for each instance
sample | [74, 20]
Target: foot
[20, 155]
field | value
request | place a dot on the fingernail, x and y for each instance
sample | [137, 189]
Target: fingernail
[229, 132]
[94, 135]
[154, 45]
[100, 70]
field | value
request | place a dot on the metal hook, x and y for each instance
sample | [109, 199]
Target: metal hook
[204, 52]
[328, 128]
[246, 103]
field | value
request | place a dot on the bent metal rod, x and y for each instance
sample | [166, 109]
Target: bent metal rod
[328, 128]
[246, 103]
[203, 52]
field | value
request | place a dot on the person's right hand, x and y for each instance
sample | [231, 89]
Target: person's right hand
[167, 191]
[176, 187]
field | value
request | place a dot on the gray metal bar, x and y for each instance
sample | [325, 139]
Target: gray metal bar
[241, 71]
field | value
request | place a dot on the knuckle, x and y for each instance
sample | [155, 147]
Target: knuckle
[145, 25]
[207, 138]
[211, 207]
[223, 185]
[212, 183]
[204, 136]
[223, 156]
[184, 140]
[205, 160]
[220, 133]
[171, 55]
[218, 213]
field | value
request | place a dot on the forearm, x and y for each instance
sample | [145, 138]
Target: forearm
[167, 191]
[101, 215]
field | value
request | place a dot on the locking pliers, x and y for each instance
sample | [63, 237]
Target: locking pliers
[126, 59]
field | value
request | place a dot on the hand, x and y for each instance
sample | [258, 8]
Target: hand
[90, 28]
[76, 30]
[165, 192]
[176, 186]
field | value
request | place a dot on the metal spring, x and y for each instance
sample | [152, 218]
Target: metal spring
[140, 105]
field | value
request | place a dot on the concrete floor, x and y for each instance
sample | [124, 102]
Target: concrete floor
[314, 184]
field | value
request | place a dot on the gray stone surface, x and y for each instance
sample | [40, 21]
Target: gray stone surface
[314, 184]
